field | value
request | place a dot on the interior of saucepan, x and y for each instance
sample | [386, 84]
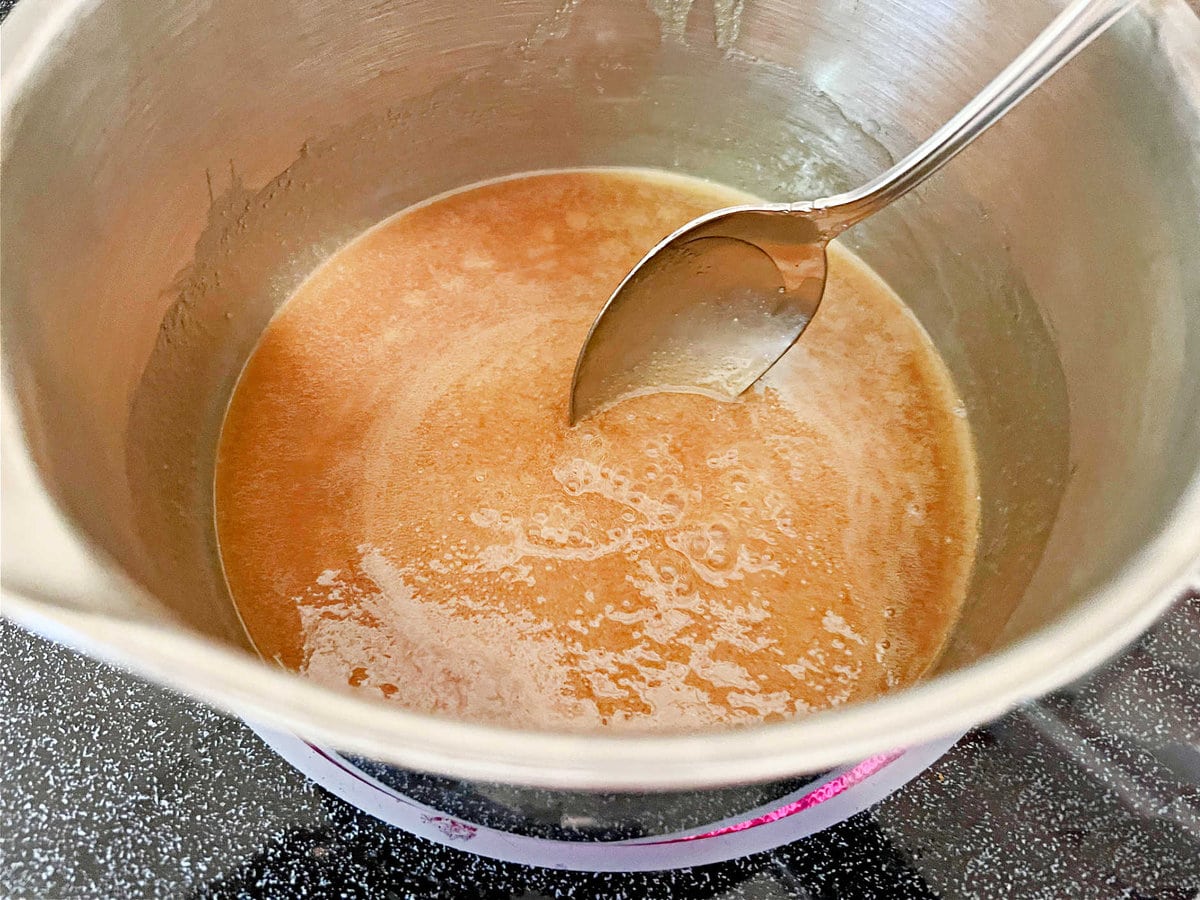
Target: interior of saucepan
[173, 171]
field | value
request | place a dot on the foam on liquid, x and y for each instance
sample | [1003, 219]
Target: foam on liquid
[402, 508]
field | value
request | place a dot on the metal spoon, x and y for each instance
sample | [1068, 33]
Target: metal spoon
[713, 306]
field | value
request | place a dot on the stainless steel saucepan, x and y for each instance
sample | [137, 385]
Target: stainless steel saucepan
[171, 171]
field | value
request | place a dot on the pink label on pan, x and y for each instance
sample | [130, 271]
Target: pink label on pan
[827, 791]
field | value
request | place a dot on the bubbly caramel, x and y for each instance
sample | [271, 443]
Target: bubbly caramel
[402, 508]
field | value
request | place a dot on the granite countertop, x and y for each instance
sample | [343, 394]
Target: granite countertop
[116, 788]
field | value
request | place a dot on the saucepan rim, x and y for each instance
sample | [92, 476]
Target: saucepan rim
[1113, 615]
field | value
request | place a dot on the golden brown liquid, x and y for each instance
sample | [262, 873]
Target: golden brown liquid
[402, 508]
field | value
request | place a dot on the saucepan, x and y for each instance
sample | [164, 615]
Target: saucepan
[172, 171]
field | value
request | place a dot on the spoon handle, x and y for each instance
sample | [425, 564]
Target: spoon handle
[1072, 30]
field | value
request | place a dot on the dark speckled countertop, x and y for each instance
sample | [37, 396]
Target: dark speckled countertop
[115, 788]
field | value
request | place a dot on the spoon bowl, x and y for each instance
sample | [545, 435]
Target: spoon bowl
[707, 311]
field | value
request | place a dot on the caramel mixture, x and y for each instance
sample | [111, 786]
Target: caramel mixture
[402, 508]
